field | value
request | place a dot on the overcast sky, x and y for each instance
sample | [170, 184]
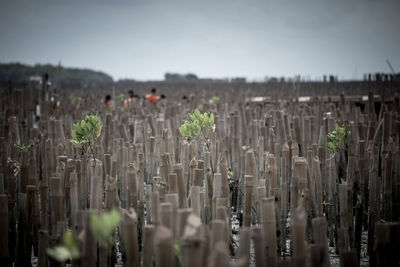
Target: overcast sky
[220, 38]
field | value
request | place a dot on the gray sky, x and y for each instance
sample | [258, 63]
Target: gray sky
[144, 39]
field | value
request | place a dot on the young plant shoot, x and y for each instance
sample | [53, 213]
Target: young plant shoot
[86, 132]
[337, 138]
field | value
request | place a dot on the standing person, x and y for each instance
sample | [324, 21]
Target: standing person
[107, 101]
[152, 97]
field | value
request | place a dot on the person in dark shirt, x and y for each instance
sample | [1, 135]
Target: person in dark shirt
[107, 101]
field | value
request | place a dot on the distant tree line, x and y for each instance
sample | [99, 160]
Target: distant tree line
[21, 73]
[180, 77]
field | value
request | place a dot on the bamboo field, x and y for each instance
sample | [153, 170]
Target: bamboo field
[234, 174]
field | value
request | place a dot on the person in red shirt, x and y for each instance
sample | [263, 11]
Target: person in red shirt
[152, 97]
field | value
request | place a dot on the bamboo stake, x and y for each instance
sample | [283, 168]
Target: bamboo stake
[319, 251]
[257, 236]
[269, 226]
[149, 232]
[299, 236]
[129, 237]
[4, 254]
[164, 251]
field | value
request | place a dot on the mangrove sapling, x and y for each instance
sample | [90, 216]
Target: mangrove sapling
[86, 132]
[14, 163]
[337, 138]
[122, 99]
[68, 249]
[201, 126]
[214, 99]
[20, 147]
[75, 100]
[103, 227]
[337, 142]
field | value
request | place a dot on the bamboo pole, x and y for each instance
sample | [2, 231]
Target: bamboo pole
[129, 237]
[299, 237]
[319, 250]
[163, 242]
[4, 253]
[257, 236]
[268, 220]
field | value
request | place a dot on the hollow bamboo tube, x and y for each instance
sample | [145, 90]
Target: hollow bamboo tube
[133, 188]
[163, 243]
[244, 246]
[198, 177]
[195, 200]
[258, 239]
[172, 183]
[96, 188]
[248, 199]
[74, 198]
[44, 204]
[318, 185]
[183, 214]
[218, 232]
[4, 255]
[217, 192]
[193, 243]
[182, 185]
[299, 222]
[57, 203]
[129, 237]
[268, 220]
[173, 199]
[219, 255]
[319, 251]
[154, 208]
[148, 243]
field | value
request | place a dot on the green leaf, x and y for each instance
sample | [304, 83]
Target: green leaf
[69, 249]
[59, 253]
[103, 226]
[197, 113]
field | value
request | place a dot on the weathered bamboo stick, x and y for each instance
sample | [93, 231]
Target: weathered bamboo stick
[258, 239]
[319, 250]
[129, 237]
[243, 254]
[4, 254]
[299, 237]
[164, 251]
[268, 220]
[248, 200]
[193, 242]
[148, 244]
[182, 185]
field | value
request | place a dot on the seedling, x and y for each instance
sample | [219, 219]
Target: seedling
[122, 97]
[75, 99]
[230, 178]
[68, 249]
[20, 147]
[178, 251]
[214, 99]
[111, 105]
[15, 165]
[86, 131]
[199, 125]
[337, 138]
[198, 122]
[103, 227]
